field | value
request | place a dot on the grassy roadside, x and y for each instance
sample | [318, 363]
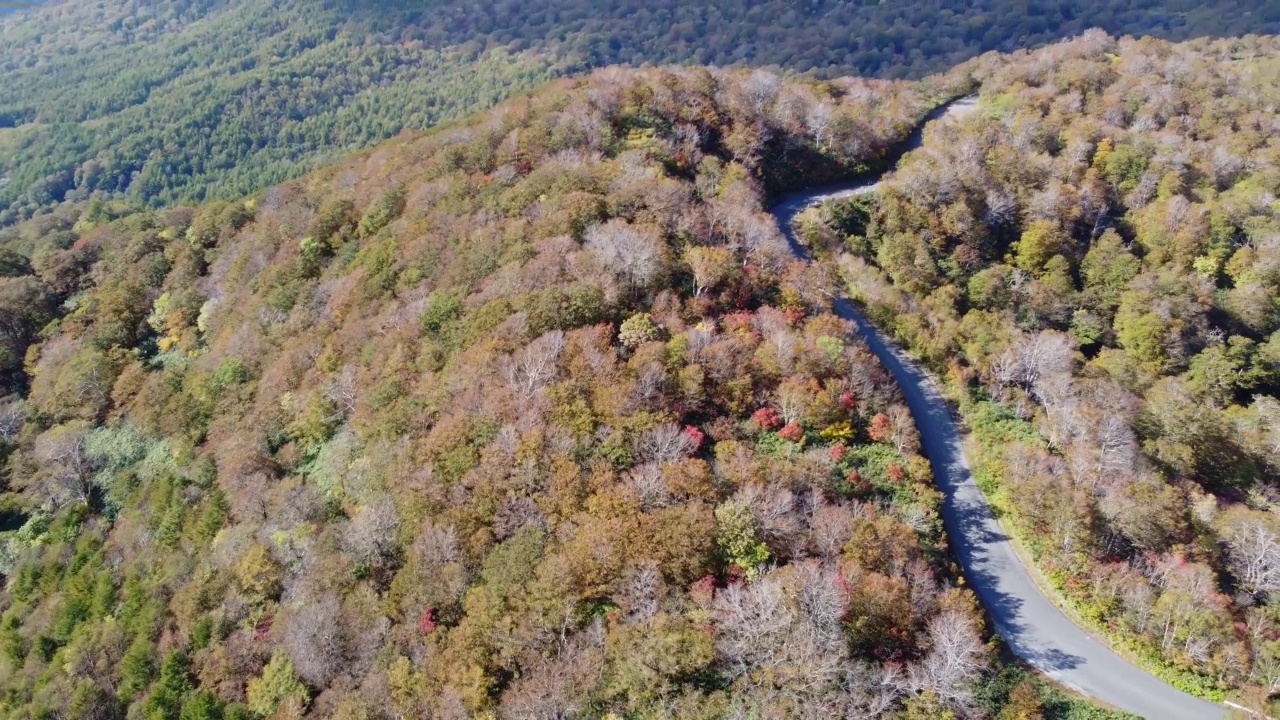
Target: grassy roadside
[984, 436]
[1004, 695]
[989, 427]
[1001, 504]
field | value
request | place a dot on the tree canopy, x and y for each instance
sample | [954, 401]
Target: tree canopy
[533, 416]
[1087, 259]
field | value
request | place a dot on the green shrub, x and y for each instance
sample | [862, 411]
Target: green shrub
[44, 648]
[637, 330]
[202, 705]
[230, 372]
[381, 213]
[335, 215]
[443, 307]
[113, 448]
[202, 633]
[514, 560]
[560, 309]
[275, 686]
[737, 540]
[166, 698]
[11, 642]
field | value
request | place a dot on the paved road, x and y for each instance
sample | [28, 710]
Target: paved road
[1035, 629]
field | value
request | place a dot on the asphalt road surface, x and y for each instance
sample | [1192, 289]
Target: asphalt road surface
[1035, 629]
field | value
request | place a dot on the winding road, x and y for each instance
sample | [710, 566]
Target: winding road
[1034, 628]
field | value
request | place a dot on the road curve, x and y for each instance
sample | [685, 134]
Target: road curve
[1034, 628]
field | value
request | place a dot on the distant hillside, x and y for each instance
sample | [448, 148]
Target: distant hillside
[10, 7]
[177, 100]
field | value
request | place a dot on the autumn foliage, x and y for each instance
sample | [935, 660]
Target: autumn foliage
[483, 422]
[1086, 259]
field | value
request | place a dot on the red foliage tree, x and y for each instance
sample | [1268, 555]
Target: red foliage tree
[857, 483]
[429, 620]
[703, 589]
[881, 428]
[895, 472]
[738, 322]
[766, 418]
[696, 435]
[792, 432]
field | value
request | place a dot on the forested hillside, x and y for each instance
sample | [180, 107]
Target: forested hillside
[1089, 260]
[181, 100]
[529, 418]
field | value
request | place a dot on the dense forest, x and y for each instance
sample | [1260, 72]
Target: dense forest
[531, 417]
[184, 100]
[1089, 262]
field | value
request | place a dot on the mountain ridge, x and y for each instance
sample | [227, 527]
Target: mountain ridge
[115, 98]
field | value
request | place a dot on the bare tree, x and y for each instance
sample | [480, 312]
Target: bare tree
[441, 578]
[817, 119]
[13, 413]
[869, 691]
[533, 368]
[557, 688]
[1261, 625]
[954, 662]
[784, 345]
[1225, 166]
[664, 443]
[785, 626]
[903, 427]
[648, 384]
[436, 544]
[634, 255]
[371, 536]
[642, 591]
[1268, 413]
[313, 638]
[1001, 209]
[762, 242]
[453, 707]
[1253, 553]
[341, 390]
[515, 512]
[774, 509]
[830, 527]
[752, 621]
[823, 599]
[1117, 446]
[793, 398]
[760, 89]
[649, 486]
[66, 466]
[249, 493]
[1034, 361]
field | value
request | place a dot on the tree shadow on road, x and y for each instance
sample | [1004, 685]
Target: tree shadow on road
[974, 521]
